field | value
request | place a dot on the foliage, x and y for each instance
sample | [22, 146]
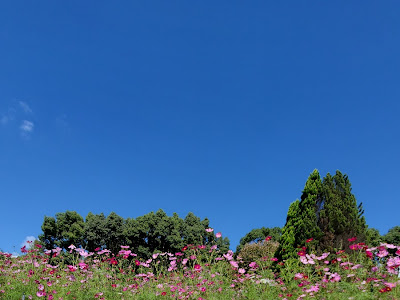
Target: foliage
[147, 234]
[393, 236]
[339, 217]
[373, 237]
[287, 244]
[49, 236]
[308, 225]
[259, 234]
[327, 214]
[256, 251]
[95, 231]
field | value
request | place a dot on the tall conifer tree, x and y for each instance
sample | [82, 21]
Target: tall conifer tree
[287, 244]
[308, 225]
[340, 217]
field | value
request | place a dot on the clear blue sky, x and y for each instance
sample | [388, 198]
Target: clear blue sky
[220, 108]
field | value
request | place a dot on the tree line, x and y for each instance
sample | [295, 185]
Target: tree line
[153, 232]
[327, 216]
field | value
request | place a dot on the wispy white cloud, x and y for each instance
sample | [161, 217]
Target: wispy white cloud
[27, 126]
[28, 241]
[25, 107]
[8, 116]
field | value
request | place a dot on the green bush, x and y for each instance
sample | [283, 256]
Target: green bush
[256, 251]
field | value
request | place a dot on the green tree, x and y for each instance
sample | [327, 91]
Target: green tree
[194, 230]
[135, 236]
[95, 231]
[339, 217]
[308, 206]
[70, 229]
[258, 235]
[393, 236]
[150, 233]
[175, 237]
[48, 238]
[223, 244]
[287, 244]
[115, 232]
[373, 237]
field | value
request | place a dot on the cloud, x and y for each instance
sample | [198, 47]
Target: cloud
[25, 107]
[7, 117]
[27, 126]
[29, 238]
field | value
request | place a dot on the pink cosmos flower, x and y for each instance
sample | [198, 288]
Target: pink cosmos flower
[41, 293]
[391, 246]
[335, 277]
[382, 253]
[313, 288]
[218, 235]
[234, 264]
[83, 266]
[209, 230]
[298, 276]
[253, 265]
[390, 284]
[229, 255]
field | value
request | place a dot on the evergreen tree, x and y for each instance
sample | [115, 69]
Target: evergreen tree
[308, 206]
[287, 244]
[339, 217]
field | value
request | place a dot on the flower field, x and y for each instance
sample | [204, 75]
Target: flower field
[200, 272]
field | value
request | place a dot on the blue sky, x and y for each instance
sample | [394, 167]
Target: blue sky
[220, 108]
